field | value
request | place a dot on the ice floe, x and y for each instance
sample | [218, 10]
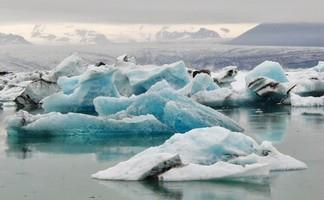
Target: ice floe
[78, 95]
[178, 112]
[203, 154]
[56, 124]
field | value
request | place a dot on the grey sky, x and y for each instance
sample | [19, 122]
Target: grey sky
[161, 11]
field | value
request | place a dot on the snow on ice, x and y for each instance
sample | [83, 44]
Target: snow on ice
[204, 154]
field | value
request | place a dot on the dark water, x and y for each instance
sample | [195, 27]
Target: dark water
[61, 168]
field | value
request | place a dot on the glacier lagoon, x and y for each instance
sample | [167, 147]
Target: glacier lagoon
[61, 134]
[60, 167]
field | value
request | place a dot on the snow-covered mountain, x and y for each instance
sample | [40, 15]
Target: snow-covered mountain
[286, 34]
[201, 34]
[70, 35]
[8, 39]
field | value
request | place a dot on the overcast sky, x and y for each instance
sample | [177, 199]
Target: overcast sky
[161, 11]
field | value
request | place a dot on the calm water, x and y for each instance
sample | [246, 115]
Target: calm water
[61, 168]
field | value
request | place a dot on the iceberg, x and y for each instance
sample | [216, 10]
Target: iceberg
[35, 91]
[175, 74]
[75, 124]
[226, 76]
[298, 101]
[269, 83]
[136, 169]
[226, 97]
[271, 156]
[271, 90]
[319, 67]
[178, 112]
[269, 69]
[309, 82]
[125, 60]
[206, 145]
[78, 92]
[218, 171]
[201, 82]
[206, 154]
[70, 66]
[158, 111]
[28, 89]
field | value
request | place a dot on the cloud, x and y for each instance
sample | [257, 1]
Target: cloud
[161, 11]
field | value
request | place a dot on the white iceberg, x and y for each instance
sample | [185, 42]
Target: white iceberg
[136, 169]
[226, 76]
[35, 91]
[298, 101]
[206, 145]
[309, 82]
[206, 154]
[218, 171]
[319, 67]
[269, 155]
[70, 66]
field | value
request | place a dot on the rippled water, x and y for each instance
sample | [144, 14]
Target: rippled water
[60, 168]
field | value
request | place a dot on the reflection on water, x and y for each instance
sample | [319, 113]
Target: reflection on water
[60, 167]
[189, 190]
[266, 123]
[103, 148]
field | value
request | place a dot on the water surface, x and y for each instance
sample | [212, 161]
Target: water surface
[60, 168]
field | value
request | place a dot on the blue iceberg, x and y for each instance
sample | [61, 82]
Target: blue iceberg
[76, 124]
[78, 92]
[201, 82]
[175, 74]
[178, 112]
[269, 69]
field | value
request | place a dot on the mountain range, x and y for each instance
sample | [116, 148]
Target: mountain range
[284, 34]
[8, 39]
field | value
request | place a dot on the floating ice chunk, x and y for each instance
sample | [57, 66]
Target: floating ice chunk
[201, 82]
[308, 82]
[206, 145]
[218, 171]
[224, 97]
[270, 89]
[96, 81]
[178, 112]
[175, 74]
[68, 84]
[268, 82]
[14, 84]
[57, 124]
[271, 70]
[34, 93]
[319, 67]
[270, 155]
[140, 167]
[125, 60]
[70, 66]
[298, 101]
[206, 154]
[226, 76]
